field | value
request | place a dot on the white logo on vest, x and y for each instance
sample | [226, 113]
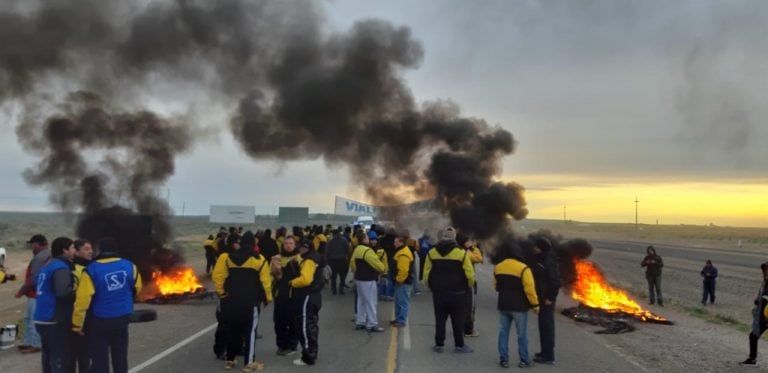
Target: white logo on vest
[115, 280]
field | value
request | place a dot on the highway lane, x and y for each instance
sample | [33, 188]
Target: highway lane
[405, 350]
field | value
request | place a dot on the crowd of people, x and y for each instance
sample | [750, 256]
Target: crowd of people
[251, 270]
[78, 305]
[80, 296]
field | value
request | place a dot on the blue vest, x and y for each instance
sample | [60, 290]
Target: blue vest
[45, 309]
[113, 283]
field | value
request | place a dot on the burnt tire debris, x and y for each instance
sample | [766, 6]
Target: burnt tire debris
[611, 322]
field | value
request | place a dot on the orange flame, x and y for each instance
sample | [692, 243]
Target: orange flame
[592, 290]
[178, 281]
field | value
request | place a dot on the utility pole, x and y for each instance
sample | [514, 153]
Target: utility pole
[636, 202]
[183, 207]
[564, 220]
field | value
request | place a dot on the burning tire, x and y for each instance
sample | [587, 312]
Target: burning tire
[143, 315]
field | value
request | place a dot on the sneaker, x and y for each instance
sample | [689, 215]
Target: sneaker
[463, 350]
[418, 292]
[661, 304]
[504, 363]
[398, 325]
[375, 329]
[524, 364]
[438, 349]
[540, 360]
[229, 364]
[253, 366]
[31, 350]
[299, 362]
[473, 334]
[752, 363]
[286, 352]
[538, 354]
[360, 327]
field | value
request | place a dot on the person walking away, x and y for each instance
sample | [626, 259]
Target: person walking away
[243, 282]
[53, 312]
[546, 276]
[413, 244]
[40, 255]
[105, 293]
[709, 274]
[475, 256]
[759, 319]
[367, 267]
[449, 275]
[268, 245]
[284, 268]
[425, 244]
[337, 254]
[83, 257]
[403, 280]
[514, 282]
[210, 254]
[307, 301]
[373, 239]
[653, 264]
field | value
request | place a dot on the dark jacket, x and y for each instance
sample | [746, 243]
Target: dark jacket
[337, 249]
[448, 269]
[653, 265]
[546, 275]
[516, 286]
[709, 273]
[268, 247]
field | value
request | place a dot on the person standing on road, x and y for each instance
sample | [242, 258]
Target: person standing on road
[284, 268]
[210, 254]
[546, 276]
[413, 244]
[242, 282]
[425, 244]
[40, 255]
[449, 275]
[83, 257]
[105, 294]
[514, 282]
[367, 267]
[709, 274]
[53, 313]
[337, 254]
[653, 264]
[307, 301]
[403, 280]
[475, 256]
[759, 319]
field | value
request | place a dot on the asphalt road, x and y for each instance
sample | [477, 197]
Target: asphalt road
[344, 349]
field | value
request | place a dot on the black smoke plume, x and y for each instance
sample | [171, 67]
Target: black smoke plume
[301, 91]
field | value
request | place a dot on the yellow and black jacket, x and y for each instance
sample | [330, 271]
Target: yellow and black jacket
[514, 282]
[366, 264]
[77, 272]
[475, 255]
[448, 269]
[243, 277]
[403, 259]
[310, 280]
[289, 268]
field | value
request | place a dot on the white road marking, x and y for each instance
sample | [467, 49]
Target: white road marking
[173, 348]
[407, 336]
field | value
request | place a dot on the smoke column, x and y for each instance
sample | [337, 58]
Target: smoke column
[298, 90]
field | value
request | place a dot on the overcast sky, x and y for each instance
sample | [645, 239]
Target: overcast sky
[593, 91]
